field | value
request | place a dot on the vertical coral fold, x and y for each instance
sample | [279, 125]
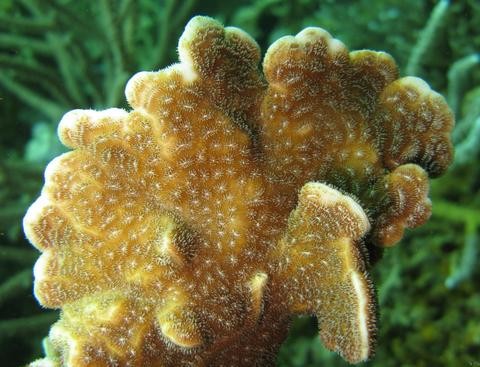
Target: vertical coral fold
[322, 270]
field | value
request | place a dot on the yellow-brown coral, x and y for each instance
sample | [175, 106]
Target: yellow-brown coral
[189, 230]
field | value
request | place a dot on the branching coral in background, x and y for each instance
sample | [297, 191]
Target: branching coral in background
[428, 34]
[192, 228]
[54, 58]
[466, 136]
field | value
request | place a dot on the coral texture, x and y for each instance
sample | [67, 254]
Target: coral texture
[190, 229]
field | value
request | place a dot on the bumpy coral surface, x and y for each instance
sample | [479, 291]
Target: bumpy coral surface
[189, 230]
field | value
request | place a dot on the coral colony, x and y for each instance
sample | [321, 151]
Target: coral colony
[191, 229]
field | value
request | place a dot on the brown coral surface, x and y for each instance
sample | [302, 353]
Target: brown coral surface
[190, 229]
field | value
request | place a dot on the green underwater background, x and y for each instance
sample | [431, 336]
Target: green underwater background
[58, 55]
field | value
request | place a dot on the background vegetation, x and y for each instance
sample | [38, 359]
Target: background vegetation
[56, 55]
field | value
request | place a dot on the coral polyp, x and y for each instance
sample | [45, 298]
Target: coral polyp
[192, 228]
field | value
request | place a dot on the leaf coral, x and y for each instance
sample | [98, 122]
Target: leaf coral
[189, 230]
